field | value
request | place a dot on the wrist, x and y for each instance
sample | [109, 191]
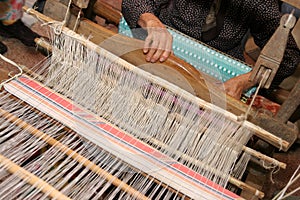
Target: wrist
[149, 20]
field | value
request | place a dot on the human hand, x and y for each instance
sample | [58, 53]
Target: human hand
[158, 44]
[234, 87]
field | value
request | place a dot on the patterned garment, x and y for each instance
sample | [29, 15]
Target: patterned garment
[261, 17]
[11, 10]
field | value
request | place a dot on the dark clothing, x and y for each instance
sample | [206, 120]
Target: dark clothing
[262, 17]
[3, 48]
[19, 31]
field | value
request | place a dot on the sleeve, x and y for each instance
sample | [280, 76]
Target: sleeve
[133, 9]
[263, 22]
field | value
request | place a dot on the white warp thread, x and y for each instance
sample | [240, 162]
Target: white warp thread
[145, 108]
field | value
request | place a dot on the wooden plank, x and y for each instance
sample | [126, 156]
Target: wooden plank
[108, 12]
[295, 3]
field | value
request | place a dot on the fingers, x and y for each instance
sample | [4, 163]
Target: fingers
[158, 45]
[147, 44]
[167, 50]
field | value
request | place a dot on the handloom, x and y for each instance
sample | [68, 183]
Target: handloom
[107, 129]
[181, 73]
[162, 165]
[175, 70]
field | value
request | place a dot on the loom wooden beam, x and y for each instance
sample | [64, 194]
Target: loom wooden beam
[285, 131]
[79, 158]
[290, 104]
[264, 157]
[106, 11]
[252, 152]
[295, 3]
[31, 179]
[188, 77]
